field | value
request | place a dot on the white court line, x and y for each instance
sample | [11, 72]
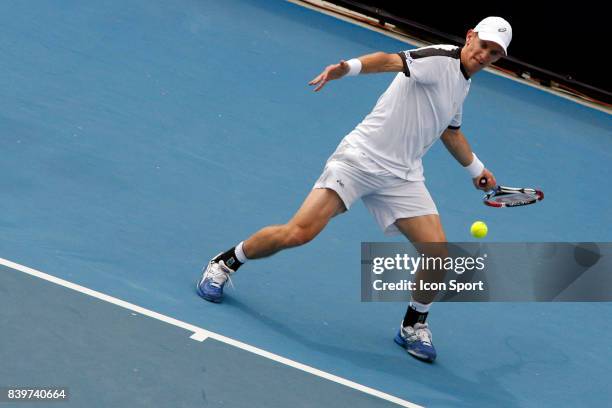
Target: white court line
[326, 8]
[200, 334]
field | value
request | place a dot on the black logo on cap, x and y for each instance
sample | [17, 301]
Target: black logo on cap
[502, 30]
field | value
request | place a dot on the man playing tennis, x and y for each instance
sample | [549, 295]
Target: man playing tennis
[380, 162]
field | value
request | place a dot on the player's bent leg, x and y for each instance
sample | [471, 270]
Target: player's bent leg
[427, 235]
[317, 209]
[314, 214]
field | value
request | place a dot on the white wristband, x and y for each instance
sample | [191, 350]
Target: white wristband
[354, 67]
[475, 168]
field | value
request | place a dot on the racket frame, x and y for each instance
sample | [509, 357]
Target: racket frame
[536, 195]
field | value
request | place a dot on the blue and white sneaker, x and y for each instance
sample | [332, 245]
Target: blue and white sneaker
[214, 277]
[417, 341]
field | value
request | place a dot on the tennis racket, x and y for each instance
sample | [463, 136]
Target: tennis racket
[502, 196]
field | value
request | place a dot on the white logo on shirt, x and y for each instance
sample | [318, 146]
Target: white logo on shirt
[409, 59]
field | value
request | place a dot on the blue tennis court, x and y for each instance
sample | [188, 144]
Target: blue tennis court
[142, 138]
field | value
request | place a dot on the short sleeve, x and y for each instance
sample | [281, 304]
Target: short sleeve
[456, 121]
[422, 70]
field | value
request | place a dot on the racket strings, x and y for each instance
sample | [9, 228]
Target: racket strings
[515, 198]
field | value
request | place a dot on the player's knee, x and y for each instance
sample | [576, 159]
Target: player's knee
[438, 237]
[298, 235]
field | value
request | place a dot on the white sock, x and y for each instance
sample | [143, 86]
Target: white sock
[240, 253]
[420, 307]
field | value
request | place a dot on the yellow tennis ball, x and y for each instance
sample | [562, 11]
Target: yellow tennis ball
[479, 229]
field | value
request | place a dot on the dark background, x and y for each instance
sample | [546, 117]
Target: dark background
[568, 39]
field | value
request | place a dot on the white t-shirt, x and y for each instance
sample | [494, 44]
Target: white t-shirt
[412, 113]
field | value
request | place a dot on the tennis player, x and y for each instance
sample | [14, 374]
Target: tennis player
[379, 162]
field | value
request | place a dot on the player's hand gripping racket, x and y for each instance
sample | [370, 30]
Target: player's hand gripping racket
[502, 196]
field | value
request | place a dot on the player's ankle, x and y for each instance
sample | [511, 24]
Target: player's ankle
[233, 258]
[416, 313]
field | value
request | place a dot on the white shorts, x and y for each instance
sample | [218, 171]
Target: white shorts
[353, 175]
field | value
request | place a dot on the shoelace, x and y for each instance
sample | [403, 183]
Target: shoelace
[423, 334]
[420, 332]
[219, 275]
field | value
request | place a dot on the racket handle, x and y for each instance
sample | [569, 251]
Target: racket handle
[482, 182]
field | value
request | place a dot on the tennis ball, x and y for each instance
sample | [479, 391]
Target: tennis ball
[479, 229]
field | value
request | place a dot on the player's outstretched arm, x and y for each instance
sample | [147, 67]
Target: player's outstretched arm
[458, 146]
[371, 63]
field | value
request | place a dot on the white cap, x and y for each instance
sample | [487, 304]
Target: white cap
[495, 29]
